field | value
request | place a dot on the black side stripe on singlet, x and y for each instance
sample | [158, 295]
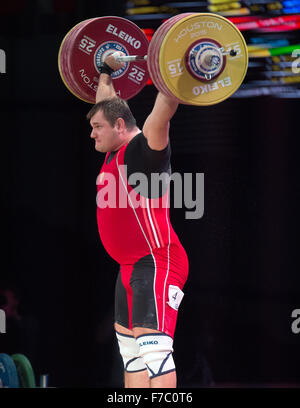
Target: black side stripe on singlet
[144, 309]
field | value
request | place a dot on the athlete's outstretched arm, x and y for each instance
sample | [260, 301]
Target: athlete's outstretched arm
[106, 88]
[156, 127]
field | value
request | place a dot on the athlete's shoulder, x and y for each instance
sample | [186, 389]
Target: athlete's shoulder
[139, 157]
[138, 139]
[140, 142]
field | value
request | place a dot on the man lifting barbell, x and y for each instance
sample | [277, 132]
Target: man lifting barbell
[154, 265]
[193, 58]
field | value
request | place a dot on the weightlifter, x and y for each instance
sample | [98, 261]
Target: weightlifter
[153, 263]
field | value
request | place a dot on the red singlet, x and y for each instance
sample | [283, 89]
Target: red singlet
[133, 227]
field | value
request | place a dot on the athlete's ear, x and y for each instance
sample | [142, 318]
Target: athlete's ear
[120, 124]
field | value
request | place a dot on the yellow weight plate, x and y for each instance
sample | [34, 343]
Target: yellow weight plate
[154, 49]
[196, 29]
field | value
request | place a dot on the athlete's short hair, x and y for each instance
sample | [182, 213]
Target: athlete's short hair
[113, 109]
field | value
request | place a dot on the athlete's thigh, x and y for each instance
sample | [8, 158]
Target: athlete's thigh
[156, 291]
[144, 303]
[122, 320]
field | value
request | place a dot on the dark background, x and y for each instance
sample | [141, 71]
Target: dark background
[234, 326]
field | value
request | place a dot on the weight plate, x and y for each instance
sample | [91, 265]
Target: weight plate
[172, 55]
[91, 42]
[24, 370]
[77, 90]
[63, 61]
[154, 49]
[8, 372]
[153, 55]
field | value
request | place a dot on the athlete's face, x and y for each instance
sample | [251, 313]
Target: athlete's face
[107, 138]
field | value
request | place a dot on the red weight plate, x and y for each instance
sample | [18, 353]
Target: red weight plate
[93, 41]
[79, 91]
[63, 61]
[153, 56]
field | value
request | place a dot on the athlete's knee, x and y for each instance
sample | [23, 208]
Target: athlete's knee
[156, 350]
[129, 351]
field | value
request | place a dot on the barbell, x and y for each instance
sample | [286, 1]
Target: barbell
[194, 58]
